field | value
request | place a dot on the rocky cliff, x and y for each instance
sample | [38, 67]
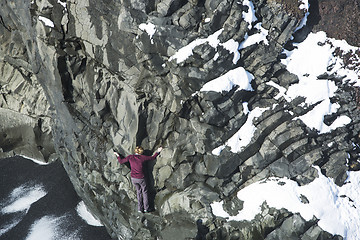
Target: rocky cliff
[81, 78]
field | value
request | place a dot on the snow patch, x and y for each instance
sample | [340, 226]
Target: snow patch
[46, 21]
[62, 3]
[308, 60]
[43, 228]
[149, 28]
[51, 228]
[327, 202]
[8, 226]
[238, 76]
[255, 38]
[34, 160]
[249, 16]
[232, 46]
[242, 137]
[22, 197]
[84, 213]
[183, 53]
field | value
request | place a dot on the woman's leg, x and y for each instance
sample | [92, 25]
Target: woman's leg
[145, 197]
[137, 184]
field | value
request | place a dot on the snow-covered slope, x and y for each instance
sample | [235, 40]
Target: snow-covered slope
[334, 206]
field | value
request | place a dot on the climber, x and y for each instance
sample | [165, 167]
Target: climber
[137, 175]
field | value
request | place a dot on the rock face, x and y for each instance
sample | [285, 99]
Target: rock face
[339, 20]
[96, 77]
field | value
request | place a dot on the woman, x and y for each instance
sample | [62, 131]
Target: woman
[137, 174]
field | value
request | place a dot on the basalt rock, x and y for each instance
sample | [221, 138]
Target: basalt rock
[92, 80]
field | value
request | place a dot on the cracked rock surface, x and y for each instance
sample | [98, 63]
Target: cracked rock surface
[91, 80]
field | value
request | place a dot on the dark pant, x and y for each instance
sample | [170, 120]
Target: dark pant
[142, 193]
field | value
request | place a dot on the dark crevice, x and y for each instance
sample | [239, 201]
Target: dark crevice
[312, 20]
[174, 6]
[142, 133]
[66, 80]
[3, 23]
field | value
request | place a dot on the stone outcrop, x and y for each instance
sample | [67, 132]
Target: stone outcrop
[339, 20]
[91, 80]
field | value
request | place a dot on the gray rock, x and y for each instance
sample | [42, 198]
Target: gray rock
[233, 206]
[96, 81]
[291, 228]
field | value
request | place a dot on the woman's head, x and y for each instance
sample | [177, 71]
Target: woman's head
[139, 150]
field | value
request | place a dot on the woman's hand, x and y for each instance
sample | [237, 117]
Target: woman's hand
[116, 154]
[159, 149]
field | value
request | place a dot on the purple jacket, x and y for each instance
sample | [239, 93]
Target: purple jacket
[136, 164]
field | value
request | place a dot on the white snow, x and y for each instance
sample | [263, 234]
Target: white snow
[255, 38]
[44, 228]
[84, 213]
[282, 91]
[249, 16]
[8, 226]
[335, 207]
[46, 21]
[52, 228]
[315, 118]
[242, 137]
[62, 3]
[238, 76]
[232, 46]
[22, 197]
[34, 160]
[309, 57]
[19, 201]
[309, 60]
[304, 5]
[149, 28]
[183, 53]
